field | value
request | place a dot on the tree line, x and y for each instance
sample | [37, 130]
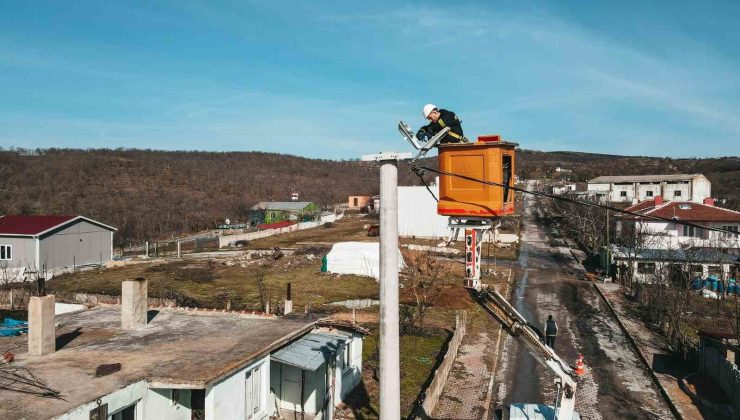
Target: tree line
[153, 195]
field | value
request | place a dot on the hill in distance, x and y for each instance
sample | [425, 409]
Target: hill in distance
[149, 194]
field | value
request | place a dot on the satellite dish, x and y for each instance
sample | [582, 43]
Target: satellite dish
[228, 222]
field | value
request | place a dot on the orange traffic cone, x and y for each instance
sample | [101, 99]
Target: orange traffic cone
[580, 367]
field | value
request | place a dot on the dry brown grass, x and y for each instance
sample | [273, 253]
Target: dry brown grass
[210, 283]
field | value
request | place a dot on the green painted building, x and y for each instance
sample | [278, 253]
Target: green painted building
[278, 211]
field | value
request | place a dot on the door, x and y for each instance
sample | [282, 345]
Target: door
[290, 384]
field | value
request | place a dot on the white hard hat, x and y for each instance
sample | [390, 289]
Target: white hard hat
[428, 108]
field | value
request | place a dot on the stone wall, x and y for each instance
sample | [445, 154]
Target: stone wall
[434, 391]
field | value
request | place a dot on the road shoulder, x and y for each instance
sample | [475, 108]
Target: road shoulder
[651, 348]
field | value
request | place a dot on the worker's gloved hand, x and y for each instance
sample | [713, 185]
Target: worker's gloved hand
[422, 135]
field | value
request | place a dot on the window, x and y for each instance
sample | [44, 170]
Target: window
[128, 413]
[693, 231]
[677, 193]
[6, 252]
[648, 193]
[175, 396]
[356, 200]
[253, 385]
[696, 270]
[731, 229]
[646, 268]
[623, 193]
[506, 177]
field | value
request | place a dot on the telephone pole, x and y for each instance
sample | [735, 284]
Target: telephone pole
[390, 367]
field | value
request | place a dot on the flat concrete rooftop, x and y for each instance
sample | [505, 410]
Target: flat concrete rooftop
[177, 348]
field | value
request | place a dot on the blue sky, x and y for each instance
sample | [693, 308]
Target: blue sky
[331, 79]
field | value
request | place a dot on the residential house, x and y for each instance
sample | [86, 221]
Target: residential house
[358, 202]
[183, 364]
[278, 211]
[671, 235]
[649, 265]
[561, 188]
[51, 244]
[635, 188]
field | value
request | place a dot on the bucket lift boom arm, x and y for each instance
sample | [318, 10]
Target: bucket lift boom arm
[518, 327]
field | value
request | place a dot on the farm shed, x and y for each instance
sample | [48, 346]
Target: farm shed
[53, 243]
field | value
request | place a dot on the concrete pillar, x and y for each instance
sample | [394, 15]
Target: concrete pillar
[41, 330]
[390, 368]
[179, 249]
[147, 248]
[134, 304]
[288, 302]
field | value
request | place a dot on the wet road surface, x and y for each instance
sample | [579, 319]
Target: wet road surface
[616, 384]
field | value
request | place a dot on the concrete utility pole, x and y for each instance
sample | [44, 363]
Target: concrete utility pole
[390, 368]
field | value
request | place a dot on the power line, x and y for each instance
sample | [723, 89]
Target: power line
[570, 200]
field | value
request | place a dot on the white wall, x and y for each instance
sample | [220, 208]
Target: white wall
[417, 213]
[670, 236]
[231, 239]
[616, 193]
[158, 405]
[701, 189]
[645, 187]
[670, 188]
[649, 278]
[226, 399]
[116, 401]
[348, 379]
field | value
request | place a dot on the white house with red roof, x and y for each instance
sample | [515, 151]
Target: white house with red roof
[50, 244]
[672, 235]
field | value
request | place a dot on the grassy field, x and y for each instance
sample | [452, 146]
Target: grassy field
[211, 283]
[352, 228]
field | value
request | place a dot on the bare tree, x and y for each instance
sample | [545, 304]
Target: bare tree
[586, 225]
[424, 282]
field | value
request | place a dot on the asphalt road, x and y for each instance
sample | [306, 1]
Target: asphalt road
[616, 384]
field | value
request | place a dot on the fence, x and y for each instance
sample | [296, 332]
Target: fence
[724, 373]
[232, 239]
[434, 391]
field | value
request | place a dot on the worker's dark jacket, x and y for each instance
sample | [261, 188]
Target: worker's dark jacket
[446, 119]
[552, 328]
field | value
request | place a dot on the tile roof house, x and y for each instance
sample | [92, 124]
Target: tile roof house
[671, 235]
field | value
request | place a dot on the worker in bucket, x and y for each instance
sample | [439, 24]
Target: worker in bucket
[438, 120]
[551, 330]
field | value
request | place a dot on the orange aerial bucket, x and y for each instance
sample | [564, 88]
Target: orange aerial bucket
[488, 159]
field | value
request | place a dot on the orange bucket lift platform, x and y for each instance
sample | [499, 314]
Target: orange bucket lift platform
[488, 159]
[471, 205]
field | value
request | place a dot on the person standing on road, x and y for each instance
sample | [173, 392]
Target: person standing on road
[551, 330]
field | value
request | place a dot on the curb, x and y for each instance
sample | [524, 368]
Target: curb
[663, 392]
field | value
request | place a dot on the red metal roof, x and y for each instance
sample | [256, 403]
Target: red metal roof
[275, 225]
[30, 225]
[689, 211]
